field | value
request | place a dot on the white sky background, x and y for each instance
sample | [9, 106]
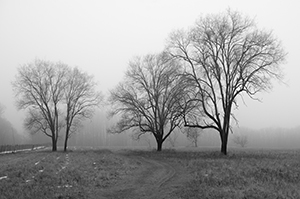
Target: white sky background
[102, 36]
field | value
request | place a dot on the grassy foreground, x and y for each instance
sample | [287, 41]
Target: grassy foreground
[241, 175]
[86, 174]
[79, 174]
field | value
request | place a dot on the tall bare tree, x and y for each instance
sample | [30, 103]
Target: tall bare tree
[39, 87]
[225, 56]
[148, 97]
[81, 99]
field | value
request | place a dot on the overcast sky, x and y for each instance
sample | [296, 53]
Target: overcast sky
[102, 36]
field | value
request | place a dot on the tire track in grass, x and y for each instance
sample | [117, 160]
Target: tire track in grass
[39, 168]
[19, 165]
[35, 176]
[169, 174]
[49, 161]
[164, 172]
[65, 164]
[62, 168]
[147, 182]
[52, 163]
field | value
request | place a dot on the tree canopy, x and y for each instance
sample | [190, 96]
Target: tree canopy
[80, 98]
[148, 98]
[55, 95]
[225, 55]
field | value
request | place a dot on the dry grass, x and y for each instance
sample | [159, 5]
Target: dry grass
[86, 174]
[79, 174]
[243, 174]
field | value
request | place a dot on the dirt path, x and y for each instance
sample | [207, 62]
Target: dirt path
[154, 178]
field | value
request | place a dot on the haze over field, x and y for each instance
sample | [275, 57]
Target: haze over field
[101, 37]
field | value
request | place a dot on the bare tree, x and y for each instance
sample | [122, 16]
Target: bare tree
[39, 87]
[172, 139]
[193, 135]
[81, 99]
[225, 56]
[2, 108]
[241, 140]
[148, 97]
[136, 137]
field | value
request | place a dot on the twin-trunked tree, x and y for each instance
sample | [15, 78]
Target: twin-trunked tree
[220, 58]
[56, 96]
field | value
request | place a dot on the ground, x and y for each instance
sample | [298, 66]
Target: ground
[95, 173]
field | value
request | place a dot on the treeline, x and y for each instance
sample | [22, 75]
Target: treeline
[272, 138]
[8, 134]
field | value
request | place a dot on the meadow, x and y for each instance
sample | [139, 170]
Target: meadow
[46, 174]
[242, 174]
[101, 173]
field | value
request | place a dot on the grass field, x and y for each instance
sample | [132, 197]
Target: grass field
[242, 174]
[86, 174]
[77, 174]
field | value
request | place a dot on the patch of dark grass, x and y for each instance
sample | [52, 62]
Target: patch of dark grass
[63, 175]
[240, 174]
[250, 174]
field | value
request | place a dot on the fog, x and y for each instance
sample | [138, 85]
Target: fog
[101, 37]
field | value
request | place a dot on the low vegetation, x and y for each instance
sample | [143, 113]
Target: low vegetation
[79, 174]
[243, 174]
[199, 173]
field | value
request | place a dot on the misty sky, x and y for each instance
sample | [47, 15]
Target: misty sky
[102, 36]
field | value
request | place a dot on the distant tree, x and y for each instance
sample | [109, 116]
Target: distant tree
[241, 140]
[39, 88]
[2, 135]
[57, 97]
[172, 139]
[193, 135]
[225, 56]
[8, 134]
[136, 137]
[147, 99]
[1, 109]
[81, 99]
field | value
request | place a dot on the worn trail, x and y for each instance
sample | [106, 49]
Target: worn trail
[155, 178]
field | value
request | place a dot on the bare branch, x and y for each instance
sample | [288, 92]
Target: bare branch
[39, 86]
[224, 55]
[150, 97]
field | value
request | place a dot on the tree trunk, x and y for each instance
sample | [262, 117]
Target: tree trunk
[225, 131]
[66, 137]
[56, 127]
[224, 140]
[66, 143]
[54, 145]
[159, 145]
[54, 139]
